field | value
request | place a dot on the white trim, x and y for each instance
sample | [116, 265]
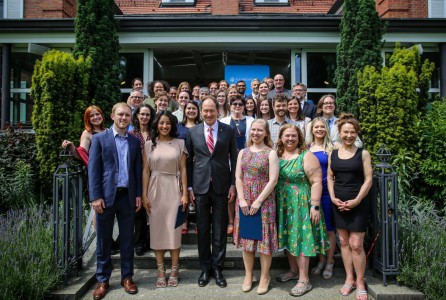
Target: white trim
[150, 70]
[304, 66]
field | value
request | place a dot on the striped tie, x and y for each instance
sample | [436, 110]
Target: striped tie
[210, 140]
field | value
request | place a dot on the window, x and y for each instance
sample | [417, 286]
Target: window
[2, 2]
[271, 2]
[177, 2]
[437, 8]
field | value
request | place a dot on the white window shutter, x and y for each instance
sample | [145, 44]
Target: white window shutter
[437, 9]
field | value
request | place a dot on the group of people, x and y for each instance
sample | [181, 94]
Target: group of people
[274, 170]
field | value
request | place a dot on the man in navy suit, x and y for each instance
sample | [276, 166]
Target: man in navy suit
[211, 180]
[115, 185]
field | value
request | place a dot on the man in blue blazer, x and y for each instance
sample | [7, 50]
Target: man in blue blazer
[211, 178]
[115, 185]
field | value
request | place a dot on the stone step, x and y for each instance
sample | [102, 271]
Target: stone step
[189, 258]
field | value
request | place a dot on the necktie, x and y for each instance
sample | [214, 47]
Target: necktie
[210, 140]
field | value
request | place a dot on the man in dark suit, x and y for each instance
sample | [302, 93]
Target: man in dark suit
[115, 184]
[211, 180]
[308, 107]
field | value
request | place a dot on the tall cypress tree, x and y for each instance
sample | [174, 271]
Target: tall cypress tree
[360, 45]
[96, 37]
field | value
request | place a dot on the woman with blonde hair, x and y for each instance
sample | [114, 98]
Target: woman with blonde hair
[256, 176]
[321, 146]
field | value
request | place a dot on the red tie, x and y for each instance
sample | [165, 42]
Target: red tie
[210, 140]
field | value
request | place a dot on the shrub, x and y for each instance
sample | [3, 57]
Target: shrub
[17, 190]
[27, 266]
[59, 85]
[432, 146]
[16, 146]
[389, 102]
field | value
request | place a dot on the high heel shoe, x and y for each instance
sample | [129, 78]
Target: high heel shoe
[173, 280]
[247, 288]
[262, 291]
[161, 281]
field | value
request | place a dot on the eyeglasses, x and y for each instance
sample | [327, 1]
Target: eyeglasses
[237, 104]
[300, 90]
[136, 97]
[241, 85]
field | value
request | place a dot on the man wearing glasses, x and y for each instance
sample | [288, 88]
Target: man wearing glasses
[279, 83]
[136, 97]
[307, 106]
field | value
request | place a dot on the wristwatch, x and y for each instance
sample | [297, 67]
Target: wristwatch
[316, 207]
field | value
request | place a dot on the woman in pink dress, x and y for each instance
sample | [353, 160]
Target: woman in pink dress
[256, 175]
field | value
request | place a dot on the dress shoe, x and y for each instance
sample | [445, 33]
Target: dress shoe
[129, 286]
[139, 251]
[264, 290]
[203, 280]
[219, 278]
[100, 290]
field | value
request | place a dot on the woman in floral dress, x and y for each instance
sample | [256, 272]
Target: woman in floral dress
[301, 227]
[256, 176]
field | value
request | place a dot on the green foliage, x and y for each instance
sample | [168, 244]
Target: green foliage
[27, 265]
[360, 45]
[422, 238]
[389, 103]
[422, 235]
[59, 86]
[17, 146]
[18, 189]
[97, 38]
[432, 146]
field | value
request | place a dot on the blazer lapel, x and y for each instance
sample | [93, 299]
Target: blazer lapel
[111, 140]
[220, 137]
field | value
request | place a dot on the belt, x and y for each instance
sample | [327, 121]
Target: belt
[121, 189]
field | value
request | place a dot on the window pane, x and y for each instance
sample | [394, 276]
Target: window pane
[132, 66]
[321, 70]
[22, 67]
[298, 67]
[21, 107]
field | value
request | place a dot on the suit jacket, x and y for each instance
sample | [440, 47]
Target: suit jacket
[103, 168]
[202, 165]
[309, 110]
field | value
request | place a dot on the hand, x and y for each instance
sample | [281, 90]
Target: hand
[337, 202]
[184, 201]
[349, 204]
[67, 144]
[138, 204]
[315, 215]
[98, 205]
[191, 196]
[243, 206]
[146, 204]
[255, 207]
[231, 194]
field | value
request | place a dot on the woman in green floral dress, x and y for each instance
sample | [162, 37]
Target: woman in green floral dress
[300, 223]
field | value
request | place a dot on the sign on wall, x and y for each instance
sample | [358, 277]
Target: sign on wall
[234, 73]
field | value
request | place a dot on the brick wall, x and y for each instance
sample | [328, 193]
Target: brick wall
[226, 7]
[43, 9]
[402, 8]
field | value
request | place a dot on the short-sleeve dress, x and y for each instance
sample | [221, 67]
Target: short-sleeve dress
[255, 168]
[297, 234]
[349, 177]
[164, 192]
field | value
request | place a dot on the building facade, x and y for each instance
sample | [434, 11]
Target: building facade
[196, 40]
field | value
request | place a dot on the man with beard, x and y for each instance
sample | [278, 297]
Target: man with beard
[280, 107]
[279, 87]
[241, 88]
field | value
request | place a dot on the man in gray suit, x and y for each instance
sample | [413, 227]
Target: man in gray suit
[211, 180]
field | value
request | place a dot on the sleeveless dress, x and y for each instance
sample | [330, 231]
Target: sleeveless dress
[164, 192]
[297, 234]
[255, 168]
[349, 174]
[327, 205]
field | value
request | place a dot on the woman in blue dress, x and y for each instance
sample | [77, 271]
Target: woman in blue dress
[321, 146]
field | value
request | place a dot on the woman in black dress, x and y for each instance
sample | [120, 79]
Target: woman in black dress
[349, 180]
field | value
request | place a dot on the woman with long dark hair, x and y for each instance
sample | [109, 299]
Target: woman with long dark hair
[164, 190]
